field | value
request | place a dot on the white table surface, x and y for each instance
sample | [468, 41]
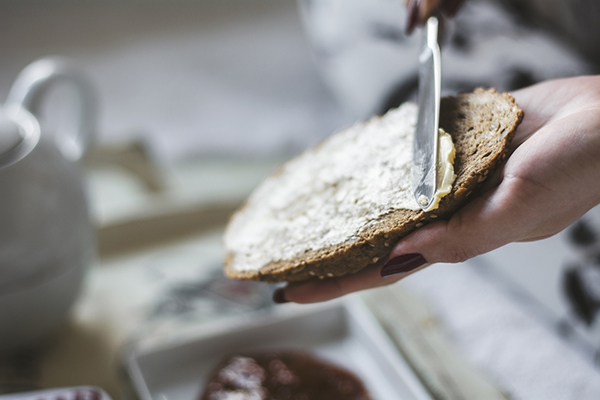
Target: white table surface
[213, 90]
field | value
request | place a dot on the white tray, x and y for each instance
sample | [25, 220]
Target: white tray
[66, 393]
[343, 333]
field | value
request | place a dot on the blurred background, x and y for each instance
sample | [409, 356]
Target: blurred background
[189, 77]
[263, 77]
[198, 101]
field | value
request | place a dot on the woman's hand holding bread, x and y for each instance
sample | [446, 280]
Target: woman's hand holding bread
[550, 179]
[339, 207]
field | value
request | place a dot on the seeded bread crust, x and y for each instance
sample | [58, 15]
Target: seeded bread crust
[482, 124]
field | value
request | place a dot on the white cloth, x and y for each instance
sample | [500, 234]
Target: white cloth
[494, 330]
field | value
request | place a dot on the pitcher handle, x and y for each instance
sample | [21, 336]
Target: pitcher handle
[34, 82]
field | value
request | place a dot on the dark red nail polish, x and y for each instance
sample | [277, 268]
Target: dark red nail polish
[412, 17]
[279, 296]
[402, 264]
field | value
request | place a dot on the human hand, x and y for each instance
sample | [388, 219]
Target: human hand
[420, 10]
[551, 178]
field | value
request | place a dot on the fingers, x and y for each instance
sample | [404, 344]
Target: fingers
[465, 235]
[328, 289]
[488, 222]
[420, 10]
[412, 17]
[427, 8]
[543, 187]
[551, 100]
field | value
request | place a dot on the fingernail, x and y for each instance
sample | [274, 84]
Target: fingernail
[450, 7]
[279, 296]
[402, 264]
[412, 17]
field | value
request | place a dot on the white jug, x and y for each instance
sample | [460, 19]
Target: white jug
[46, 237]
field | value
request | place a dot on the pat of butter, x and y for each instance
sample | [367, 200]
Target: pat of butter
[445, 168]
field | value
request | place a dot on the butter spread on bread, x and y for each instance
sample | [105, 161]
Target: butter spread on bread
[445, 169]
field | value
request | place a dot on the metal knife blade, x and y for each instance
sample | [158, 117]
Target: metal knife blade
[425, 143]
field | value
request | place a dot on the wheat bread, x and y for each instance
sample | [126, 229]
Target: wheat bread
[342, 205]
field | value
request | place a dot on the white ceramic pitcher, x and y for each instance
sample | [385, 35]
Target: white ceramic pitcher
[46, 237]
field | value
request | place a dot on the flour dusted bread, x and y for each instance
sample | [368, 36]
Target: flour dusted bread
[342, 205]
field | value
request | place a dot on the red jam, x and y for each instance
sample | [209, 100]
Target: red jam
[284, 375]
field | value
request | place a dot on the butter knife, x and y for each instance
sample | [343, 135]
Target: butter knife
[425, 143]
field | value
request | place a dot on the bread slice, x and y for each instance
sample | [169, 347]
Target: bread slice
[342, 205]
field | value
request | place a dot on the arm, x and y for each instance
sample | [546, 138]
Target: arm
[550, 179]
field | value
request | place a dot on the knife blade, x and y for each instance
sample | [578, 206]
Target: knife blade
[425, 143]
